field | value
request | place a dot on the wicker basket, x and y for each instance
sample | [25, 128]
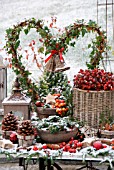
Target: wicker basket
[89, 105]
[45, 112]
[62, 136]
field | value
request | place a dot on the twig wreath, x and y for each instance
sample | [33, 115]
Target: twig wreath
[51, 43]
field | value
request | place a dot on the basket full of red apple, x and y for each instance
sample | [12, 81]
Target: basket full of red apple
[93, 94]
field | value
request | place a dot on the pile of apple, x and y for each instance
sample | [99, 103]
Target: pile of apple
[74, 145]
[71, 146]
[96, 79]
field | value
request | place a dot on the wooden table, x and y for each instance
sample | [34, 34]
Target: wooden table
[89, 161]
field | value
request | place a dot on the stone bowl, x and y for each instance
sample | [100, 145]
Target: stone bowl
[62, 136]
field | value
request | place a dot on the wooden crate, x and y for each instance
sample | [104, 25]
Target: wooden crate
[107, 134]
[45, 112]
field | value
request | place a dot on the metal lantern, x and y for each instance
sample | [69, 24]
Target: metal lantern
[3, 84]
[18, 103]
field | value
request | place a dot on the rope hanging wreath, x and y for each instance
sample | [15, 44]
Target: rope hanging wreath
[52, 45]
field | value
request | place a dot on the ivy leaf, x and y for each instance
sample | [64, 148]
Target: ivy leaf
[47, 52]
[83, 32]
[72, 44]
[92, 23]
[90, 66]
[74, 33]
[8, 31]
[20, 57]
[10, 52]
[17, 71]
[89, 45]
[92, 53]
[67, 40]
[17, 44]
[41, 50]
[26, 31]
[46, 28]
[27, 72]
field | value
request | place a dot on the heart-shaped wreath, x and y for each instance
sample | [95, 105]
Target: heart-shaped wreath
[53, 45]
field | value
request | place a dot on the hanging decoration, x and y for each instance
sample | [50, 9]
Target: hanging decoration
[53, 47]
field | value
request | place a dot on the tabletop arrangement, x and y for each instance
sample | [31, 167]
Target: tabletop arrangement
[50, 118]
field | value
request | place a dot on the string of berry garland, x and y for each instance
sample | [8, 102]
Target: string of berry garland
[98, 46]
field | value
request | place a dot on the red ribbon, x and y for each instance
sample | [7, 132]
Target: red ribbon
[56, 52]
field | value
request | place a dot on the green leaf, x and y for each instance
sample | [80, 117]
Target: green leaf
[26, 31]
[74, 33]
[17, 71]
[89, 45]
[67, 40]
[90, 66]
[92, 23]
[8, 31]
[72, 44]
[93, 52]
[46, 28]
[41, 50]
[17, 44]
[83, 32]
[27, 72]
[10, 52]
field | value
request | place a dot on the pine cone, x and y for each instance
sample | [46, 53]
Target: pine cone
[9, 122]
[25, 128]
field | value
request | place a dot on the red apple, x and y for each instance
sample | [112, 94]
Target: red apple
[61, 146]
[35, 148]
[104, 146]
[38, 103]
[79, 145]
[63, 143]
[97, 145]
[67, 146]
[13, 137]
[72, 150]
[44, 147]
[75, 141]
[74, 146]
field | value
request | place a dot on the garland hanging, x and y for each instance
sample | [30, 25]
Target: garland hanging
[50, 43]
